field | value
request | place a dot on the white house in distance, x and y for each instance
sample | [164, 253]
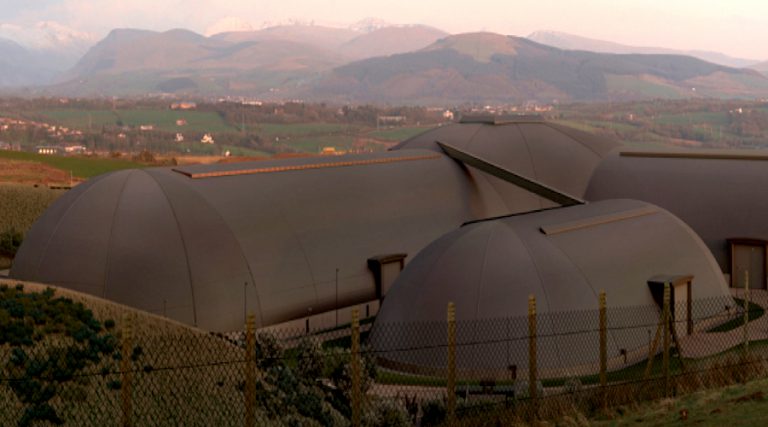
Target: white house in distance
[207, 139]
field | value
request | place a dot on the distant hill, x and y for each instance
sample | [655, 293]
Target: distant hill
[326, 38]
[20, 67]
[136, 61]
[399, 64]
[485, 67]
[391, 40]
[366, 42]
[761, 67]
[132, 61]
[573, 42]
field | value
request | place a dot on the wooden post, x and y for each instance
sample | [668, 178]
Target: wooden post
[603, 341]
[250, 371]
[532, 374]
[126, 397]
[665, 317]
[451, 380]
[746, 313]
[356, 370]
[603, 349]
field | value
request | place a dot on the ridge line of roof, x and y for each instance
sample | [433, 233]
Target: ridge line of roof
[273, 169]
[112, 230]
[705, 155]
[183, 243]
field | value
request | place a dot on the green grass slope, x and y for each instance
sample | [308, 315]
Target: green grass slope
[81, 167]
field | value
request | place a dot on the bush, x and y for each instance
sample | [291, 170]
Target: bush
[39, 373]
[10, 241]
[522, 391]
[386, 413]
[433, 413]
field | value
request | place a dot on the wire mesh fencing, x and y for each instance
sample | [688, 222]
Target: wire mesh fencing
[448, 372]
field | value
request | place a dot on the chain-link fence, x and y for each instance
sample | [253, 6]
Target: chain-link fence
[78, 371]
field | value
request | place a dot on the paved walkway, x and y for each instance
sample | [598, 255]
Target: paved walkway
[703, 344]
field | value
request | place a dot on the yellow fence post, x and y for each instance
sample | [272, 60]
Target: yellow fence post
[746, 313]
[665, 317]
[451, 380]
[356, 370]
[532, 368]
[250, 371]
[603, 345]
[126, 398]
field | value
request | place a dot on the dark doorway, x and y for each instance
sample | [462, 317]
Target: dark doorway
[748, 259]
[385, 269]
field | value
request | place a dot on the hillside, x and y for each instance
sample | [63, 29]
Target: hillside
[567, 41]
[394, 64]
[20, 67]
[761, 67]
[487, 67]
[391, 40]
[136, 61]
[325, 38]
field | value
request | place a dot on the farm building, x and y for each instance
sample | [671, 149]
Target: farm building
[564, 257]
[291, 238]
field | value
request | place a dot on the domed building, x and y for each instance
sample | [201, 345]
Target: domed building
[564, 257]
[721, 194]
[288, 239]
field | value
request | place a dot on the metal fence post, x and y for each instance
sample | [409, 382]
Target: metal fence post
[603, 347]
[665, 319]
[532, 368]
[356, 368]
[126, 398]
[250, 371]
[451, 380]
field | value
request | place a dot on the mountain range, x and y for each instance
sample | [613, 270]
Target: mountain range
[382, 63]
[573, 42]
[487, 67]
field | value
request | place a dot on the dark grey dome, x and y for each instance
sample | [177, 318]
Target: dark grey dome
[564, 257]
[194, 242]
[720, 194]
[558, 156]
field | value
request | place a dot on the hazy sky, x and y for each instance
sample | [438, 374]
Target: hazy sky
[735, 27]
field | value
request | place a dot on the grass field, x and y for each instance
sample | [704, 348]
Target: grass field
[701, 117]
[737, 405]
[398, 134]
[20, 206]
[622, 84]
[272, 130]
[23, 204]
[197, 121]
[81, 167]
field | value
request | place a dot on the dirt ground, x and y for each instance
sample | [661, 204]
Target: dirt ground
[18, 171]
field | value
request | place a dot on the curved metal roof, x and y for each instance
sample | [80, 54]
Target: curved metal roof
[165, 241]
[720, 194]
[558, 156]
[203, 244]
[564, 257]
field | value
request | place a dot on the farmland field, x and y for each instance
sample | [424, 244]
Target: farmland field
[398, 134]
[271, 130]
[81, 167]
[197, 121]
[316, 144]
[699, 117]
[642, 86]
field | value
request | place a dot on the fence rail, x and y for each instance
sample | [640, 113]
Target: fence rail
[438, 373]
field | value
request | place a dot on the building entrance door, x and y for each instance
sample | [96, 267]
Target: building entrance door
[748, 258]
